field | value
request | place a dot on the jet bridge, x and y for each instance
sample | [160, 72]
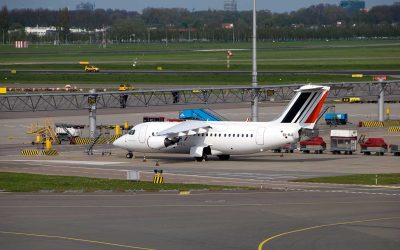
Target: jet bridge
[200, 114]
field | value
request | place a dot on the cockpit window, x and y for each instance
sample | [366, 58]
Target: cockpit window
[132, 132]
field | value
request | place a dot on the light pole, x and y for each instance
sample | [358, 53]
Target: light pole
[254, 103]
[166, 36]
[233, 33]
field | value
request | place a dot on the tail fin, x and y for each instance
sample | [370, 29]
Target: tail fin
[305, 106]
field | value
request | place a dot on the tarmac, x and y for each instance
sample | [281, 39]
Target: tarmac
[278, 215]
[201, 220]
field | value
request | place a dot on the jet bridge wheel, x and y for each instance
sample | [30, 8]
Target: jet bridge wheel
[129, 155]
[224, 157]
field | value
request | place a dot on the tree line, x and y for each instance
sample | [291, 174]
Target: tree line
[321, 21]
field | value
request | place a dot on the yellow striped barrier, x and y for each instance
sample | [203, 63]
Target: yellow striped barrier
[393, 129]
[371, 124]
[391, 123]
[158, 178]
[101, 140]
[29, 152]
[51, 152]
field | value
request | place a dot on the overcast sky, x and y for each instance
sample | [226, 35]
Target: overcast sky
[138, 5]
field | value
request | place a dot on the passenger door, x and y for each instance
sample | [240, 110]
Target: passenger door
[260, 136]
[142, 134]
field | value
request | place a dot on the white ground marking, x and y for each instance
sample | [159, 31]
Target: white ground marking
[102, 163]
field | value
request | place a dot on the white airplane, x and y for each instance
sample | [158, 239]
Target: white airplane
[224, 138]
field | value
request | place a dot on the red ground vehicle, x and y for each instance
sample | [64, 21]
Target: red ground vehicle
[316, 144]
[374, 145]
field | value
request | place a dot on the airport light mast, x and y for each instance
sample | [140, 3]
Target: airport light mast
[254, 102]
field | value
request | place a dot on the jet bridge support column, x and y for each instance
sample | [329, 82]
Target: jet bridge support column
[381, 101]
[92, 99]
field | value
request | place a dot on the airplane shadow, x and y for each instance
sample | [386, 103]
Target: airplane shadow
[238, 158]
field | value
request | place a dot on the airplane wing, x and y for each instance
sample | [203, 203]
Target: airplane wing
[186, 128]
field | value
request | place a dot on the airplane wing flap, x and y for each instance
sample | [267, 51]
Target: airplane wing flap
[186, 128]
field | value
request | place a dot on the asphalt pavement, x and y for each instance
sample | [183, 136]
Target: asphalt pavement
[202, 220]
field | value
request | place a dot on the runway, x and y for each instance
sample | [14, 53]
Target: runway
[202, 220]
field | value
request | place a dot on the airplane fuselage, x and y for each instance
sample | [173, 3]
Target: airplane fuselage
[223, 138]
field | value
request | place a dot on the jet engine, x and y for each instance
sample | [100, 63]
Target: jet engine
[159, 142]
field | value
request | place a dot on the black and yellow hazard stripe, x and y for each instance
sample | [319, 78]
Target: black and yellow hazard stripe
[394, 129]
[83, 140]
[391, 123]
[29, 152]
[371, 124]
[158, 179]
[101, 140]
[49, 152]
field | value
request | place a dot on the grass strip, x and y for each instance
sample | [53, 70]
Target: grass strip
[170, 79]
[21, 182]
[362, 179]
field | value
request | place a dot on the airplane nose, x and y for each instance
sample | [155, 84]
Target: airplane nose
[119, 142]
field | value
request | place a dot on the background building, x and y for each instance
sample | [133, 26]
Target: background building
[230, 5]
[352, 5]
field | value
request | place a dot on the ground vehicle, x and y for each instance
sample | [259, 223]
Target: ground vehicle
[287, 148]
[336, 118]
[316, 144]
[351, 99]
[343, 141]
[91, 68]
[125, 87]
[374, 145]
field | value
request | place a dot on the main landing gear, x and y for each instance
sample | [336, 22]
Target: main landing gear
[204, 157]
[129, 155]
[224, 157]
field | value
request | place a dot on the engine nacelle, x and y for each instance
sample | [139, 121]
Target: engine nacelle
[159, 142]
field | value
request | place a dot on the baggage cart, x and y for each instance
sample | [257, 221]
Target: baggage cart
[343, 141]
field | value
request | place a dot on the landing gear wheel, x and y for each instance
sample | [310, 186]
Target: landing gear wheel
[129, 155]
[202, 158]
[224, 157]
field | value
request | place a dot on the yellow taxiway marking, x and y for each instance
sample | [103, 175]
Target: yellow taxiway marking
[75, 239]
[260, 246]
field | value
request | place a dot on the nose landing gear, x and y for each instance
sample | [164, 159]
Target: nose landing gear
[129, 155]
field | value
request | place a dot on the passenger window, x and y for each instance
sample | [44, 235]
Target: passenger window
[233, 135]
[132, 132]
[229, 135]
[219, 135]
[238, 135]
[242, 135]
[224, 135]
[247, 135]
[206, 134]
[251, 135]
[202, 134]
